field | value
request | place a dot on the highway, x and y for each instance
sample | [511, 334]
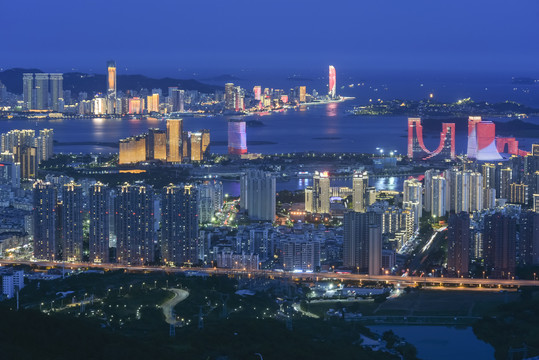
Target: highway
[388, 279]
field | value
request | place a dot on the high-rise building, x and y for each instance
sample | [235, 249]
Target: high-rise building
[258, 190]
[481, 139]
[28, 91]
[302, 94]
[458, 237]
[472, 136]
[518, 194]
[27, 157]
[45, 143]
[504, 184]
[438, 194]
[72, 221]
[237, 138]
[332, 82]
[417, 149]
[134, 224]
[99, 234]
[174, 140]
[360, 183]
[362, 245]
[205, 142]
[211, 200]
[111, 86]
[152, 103]
[321, 192]
[536, 203]
[499, 245]
[42, 91]
[156, 145]
[179, 225]
[44, 221]
[299, 254]
[196, 147]
[257, 91]
[133, 150]
[57, 91]
[230, 96]
[489, 175]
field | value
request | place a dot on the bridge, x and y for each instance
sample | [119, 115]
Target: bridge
[361, 278]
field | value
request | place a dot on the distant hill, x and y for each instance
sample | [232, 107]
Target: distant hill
[92, 83]
[226, 77]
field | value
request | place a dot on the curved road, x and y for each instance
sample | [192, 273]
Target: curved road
[168, 306]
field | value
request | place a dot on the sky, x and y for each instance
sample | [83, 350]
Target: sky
[179, 37]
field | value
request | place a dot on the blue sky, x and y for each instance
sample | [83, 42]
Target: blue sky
[171, 37]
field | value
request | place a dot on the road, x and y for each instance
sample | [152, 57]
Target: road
[168, 306]
[388, 279]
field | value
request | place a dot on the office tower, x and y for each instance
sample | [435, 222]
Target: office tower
[529, 238]
[133, 150]
[136, 105]
[504, 185]
[45, 144]
[196, 147]
[484, 142]
[156, 143]
[134, 223]
[152, 102]
[237, 137]
[205, 142]
[362, 250]
[174, 140]
[179, 225]
[27, 157]
[458, 238]
[186, 146]
[321, 192]
[230, 96]
[44, 222]
[518, 194]
[472, 136]
[499, 245]
[211, 200]
[111, 87]
[417, 149]
[360, 183]
[99, 234]
[332, 82]
[302, 94]
[258, 190]
[57, 91]
[72, 221]
[42, 91]
[28, 91]
[438, 194]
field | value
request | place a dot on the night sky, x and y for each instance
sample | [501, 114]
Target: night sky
[175, 37]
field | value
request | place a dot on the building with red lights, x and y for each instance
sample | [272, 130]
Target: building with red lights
[417, 149]
[237, 137]
[332, 82]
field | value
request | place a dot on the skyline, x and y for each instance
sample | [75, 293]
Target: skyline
[373, 37]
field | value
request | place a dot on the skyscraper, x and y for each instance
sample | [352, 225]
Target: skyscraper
[57, 91]
[321, 192]
[42, 91]
[156, 144]
[72, 221]
[237, 138]
[362, 244]
[44, 221]
[258, 190]
[28, 91]
[99, 203]
[45, 143]
[179, 225]
[417, 149]
[211, 200]
[458, 237]
[111, 86]
[196, 147]
[174, 140]
[230, 96]
[438, 195]
[134, 222]
[360, 183]
[332, 82]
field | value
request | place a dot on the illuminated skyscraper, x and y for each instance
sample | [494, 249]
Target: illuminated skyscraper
[438, 195]
[258, 189]
[211, 200]
[134, 224]
[360, 183]
[156, 144]
[99, 233]
[57, 91]
[257, 90]
[72, 219]
[362, 243]
[45, 143]
[205, 142]
[28, 90]
[196, 146]
[416, 146]
[44, 221]
[302, 94]
[179, 224]
[230, 96]
[481, 139]
[174, 140]
[133, 150]
[321, 192]
[237, 139]
[111, 86]
[332, 82]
